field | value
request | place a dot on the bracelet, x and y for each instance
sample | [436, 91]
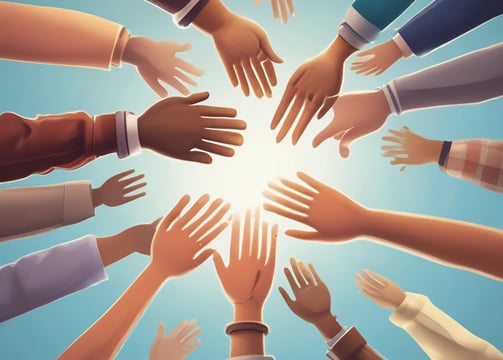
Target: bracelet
[247, 325]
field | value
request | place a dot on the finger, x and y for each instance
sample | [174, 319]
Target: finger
[263, 243]
[315, 274]
[287, 298]
[194, 209]
[310, 108]
[298, 187]
[284, 13]
[197, 97]
[327, 132]
[304, 235]
[215, 148]
[284, 103]
[186, 330]
[246, 244]
[291, 280]
[121, 175]
[269, 70]
[192, 347]
[298, 275]
[380, 279]
[191, 336]
[196, 156]
[348, 138]
[252, 78]
[173, 214]
[131, 180]
[377, 285]
[216, 111]
[176, 84]
[290, 194]
[302, 209]
[306, 273]
[401, 161]
[257, 66]
[242, 79]
[154, 84]
[202, 257]
[235, 239]
[397, 133]
[160, 331]
[231, 74]
[327, 105]
[290, 119]
[226, 137]
[271, 259]
[372, 295]
[266, 47]
[224, 123]
[130, 198]
[219, 264]
[275, 9]
[211, 235]
[285, 213]
[182, 77]
[182, 47]
[395, 153]
[290, 7]
[394, 139]
[315, 184]
[173, 334]
[133, 188]
[188, 67]
[195, 224]
[255, 247]
[339, 135]
[391, 147]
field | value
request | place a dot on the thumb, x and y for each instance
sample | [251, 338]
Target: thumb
[183, 47]
[268, 50]
[287, 298]
[219, 263]
[160, 330]
[326, 133]
[346, 140]
[197, 97]
[153, 82]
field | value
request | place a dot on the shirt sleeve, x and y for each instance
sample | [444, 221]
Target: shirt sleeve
[479, 161]
[349, 344]
[440, 336]
[59, 36]
[37, 146]
[27, 211]
[366, 18]
[471, 78]
[183, 11]
[444, 20]
[42, 277]
[252, 357]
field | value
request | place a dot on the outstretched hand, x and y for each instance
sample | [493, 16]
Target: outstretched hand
[177, 344]
[156, 61]
[379, 289]
[117, 189]
[355, 115]
[333, 216]
[285, 6]
[175, 126]
[377, 59]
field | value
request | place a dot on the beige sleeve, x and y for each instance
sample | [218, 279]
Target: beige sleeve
[28, 211]
[439, 335]
[59, 36]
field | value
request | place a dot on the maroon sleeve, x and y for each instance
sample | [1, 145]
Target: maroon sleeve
[353, 346]
[37, 146]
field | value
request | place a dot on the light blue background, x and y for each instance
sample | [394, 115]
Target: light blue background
[475, 301]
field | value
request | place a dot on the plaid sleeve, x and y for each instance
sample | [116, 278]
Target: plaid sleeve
[479, 161]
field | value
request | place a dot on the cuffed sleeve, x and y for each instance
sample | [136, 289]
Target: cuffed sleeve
[183, 11]
[351, 345]
[42, 277]
[440, 336]
[59, 36]
[471, 78]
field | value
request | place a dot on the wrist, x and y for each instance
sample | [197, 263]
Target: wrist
[156, 272]
[328, 326]
[213, 17]
[96, 197]
[250, 311]
[432, 149]
[131, 53]
[340, 49]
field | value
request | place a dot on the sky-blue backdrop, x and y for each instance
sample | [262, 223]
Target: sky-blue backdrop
[475, 301]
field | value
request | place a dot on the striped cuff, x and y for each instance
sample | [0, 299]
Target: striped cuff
[357, 30]
[392, 98]
[128, 140]
[181, 17]
[402, 45]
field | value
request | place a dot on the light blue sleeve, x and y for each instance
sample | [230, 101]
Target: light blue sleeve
[47, 275]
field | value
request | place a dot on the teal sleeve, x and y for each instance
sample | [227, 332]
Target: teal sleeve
[381, 13]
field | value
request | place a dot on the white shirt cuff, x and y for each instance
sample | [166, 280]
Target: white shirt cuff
[128, 139]
[402, 45]
[392, 98]
[357, 30]
[252, 357]
[182, 13]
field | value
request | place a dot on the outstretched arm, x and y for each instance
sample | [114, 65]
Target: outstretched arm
[175, 251]
[461, 244]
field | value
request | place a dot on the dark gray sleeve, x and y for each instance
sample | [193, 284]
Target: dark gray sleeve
[467, 79]
[183, 11]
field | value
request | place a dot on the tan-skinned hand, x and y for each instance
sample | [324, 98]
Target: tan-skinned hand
[284, 6]
[380, 290]
[116, 190]
[177, 344]
[377, 59]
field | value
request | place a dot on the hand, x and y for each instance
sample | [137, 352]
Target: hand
[380, 290]
[412, 149]
[177, 344]
[247, 280]
[246, 54]
[312, 298]
[355, 115]
[140, 236]
[314, 85]
[113, 191]
[283, 5]
[377, 59]
[334, 216]
[173, 126]
[179, 241]
[156, 60]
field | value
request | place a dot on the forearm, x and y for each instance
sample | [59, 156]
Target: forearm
[444, 20]
[479, 161]
[471, 78]
[42, 277]
[114, 248]
[468, 246]
[27, 211]
[366, 18]
[183, 11]
[29, 146]
[59, 36]
[105, 337]
[212, 16]
[247, 342]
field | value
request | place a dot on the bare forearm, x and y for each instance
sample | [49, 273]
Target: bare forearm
[461, 244]
[114, 248]
[105, 337]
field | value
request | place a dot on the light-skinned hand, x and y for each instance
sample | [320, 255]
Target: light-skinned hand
[116, 190]
[380, 290]
[355, 115]
[333, 216]
[176, 126]
[179, 243]
[156, 61]
[377, 59]
[177, 344]
[284, 6]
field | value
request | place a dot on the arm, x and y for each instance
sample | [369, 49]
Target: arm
[247, 282]
[436, 333]
[461, 244]
[173, 254]
[312, 304]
